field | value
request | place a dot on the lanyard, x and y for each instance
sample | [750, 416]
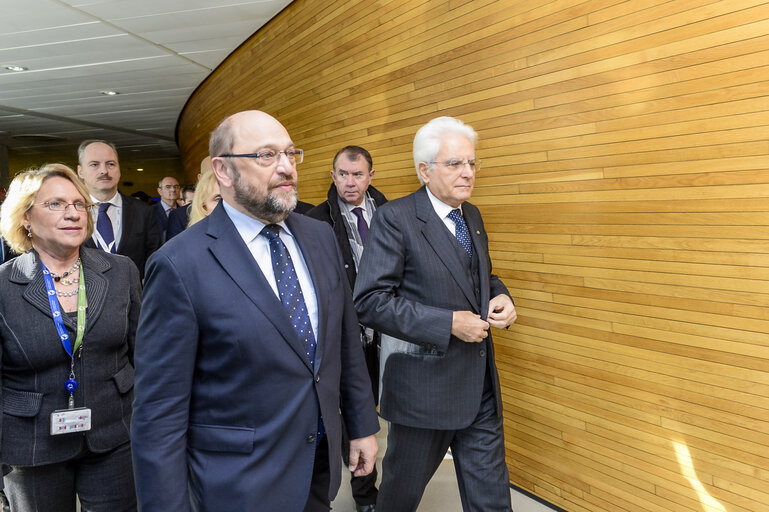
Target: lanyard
[71, 384]
[56, 311]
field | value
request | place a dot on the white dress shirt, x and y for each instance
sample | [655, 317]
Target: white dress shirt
[115, 214]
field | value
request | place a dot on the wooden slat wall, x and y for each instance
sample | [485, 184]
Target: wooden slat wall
[626, 194]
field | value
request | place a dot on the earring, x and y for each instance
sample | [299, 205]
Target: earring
[29, 231]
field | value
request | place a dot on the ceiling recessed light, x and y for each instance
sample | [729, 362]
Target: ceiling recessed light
[110, 93]
[15, 68]
[140, 169]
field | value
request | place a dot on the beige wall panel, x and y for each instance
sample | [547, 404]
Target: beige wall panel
[625, 189]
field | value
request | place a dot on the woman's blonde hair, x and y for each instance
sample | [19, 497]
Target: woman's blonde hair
[203, 191]
[21, 197]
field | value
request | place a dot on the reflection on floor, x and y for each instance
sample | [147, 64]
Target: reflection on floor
[441, 495]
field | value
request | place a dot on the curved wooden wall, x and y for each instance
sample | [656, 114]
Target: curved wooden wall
[624, 187]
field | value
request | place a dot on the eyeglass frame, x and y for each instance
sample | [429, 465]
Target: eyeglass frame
[258, 156]
[87, 207]
[475, 166]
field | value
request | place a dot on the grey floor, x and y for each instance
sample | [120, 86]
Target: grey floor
[441, 495]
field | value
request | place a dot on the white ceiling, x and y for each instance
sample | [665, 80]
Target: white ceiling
[153, 52]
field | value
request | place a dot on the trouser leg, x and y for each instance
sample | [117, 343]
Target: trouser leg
[413, 455]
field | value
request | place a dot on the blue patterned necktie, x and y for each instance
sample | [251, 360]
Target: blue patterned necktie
[362, 225]
[289, 289]
[104, 227]
[461, 231]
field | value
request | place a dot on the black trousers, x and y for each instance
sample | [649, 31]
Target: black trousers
[104, 482]
[414, 454]
[318, 500]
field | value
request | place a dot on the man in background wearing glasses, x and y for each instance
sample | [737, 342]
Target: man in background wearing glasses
[425, 283]
[349, 209]
[247, 345]
[168, 190]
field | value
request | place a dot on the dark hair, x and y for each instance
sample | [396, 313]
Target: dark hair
[353, 153]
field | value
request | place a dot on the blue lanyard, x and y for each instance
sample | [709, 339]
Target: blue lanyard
[56, 312]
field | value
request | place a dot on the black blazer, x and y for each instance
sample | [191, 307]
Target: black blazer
[177, 221]
[328, 211]
[162, 220]
[34, 364]
[410, 280]
[140, 236]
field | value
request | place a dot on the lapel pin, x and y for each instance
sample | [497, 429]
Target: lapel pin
[477, 232]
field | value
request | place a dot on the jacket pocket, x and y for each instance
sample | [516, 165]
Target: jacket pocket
[25, 404]
[221, 439]
[124, 379]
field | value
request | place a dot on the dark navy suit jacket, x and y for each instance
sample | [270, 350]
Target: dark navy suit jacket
[226, 400]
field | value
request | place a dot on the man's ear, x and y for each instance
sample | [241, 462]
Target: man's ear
[222, 172]
[79, 171]
[423, 168]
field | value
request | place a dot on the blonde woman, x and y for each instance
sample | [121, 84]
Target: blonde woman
[206, 198]
[68, 317]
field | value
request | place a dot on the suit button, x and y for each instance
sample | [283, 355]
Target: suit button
[346, 265]
[311, 438]
[317, 378]
[482, 353]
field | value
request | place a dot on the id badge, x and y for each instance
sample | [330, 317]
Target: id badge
[66, 421]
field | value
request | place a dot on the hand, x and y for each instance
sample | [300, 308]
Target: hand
[363, 455]
[468, 327]
[501, 311]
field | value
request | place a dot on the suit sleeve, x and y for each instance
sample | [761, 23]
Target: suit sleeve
[166, 345]
[356, 398]
[378, 298]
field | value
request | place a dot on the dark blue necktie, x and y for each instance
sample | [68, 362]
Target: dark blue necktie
[289, 289]
[461, 231]
[104, 227]
[362, 225]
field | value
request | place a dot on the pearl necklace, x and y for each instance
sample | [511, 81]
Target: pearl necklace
[74, 268]
[67, 294]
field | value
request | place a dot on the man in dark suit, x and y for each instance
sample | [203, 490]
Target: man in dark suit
[425, 283]
[168, 190]
[247, 345]
[349, 209]
[124, 225]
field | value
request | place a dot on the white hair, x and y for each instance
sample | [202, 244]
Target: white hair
[427, 141]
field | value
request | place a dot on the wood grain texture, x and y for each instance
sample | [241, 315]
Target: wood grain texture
[625, 189]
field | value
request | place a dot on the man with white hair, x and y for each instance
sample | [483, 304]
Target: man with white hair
[425, 283]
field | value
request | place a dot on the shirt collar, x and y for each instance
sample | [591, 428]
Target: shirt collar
[248, 227]
[441, 208]
[116, 200]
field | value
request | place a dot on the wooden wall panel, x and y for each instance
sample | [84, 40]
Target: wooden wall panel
[625, 188]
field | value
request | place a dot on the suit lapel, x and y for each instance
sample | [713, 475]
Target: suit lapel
[95, 264]
[475, 227]
[235, 258]
[442, 242]
[27, 270]
[128, 219]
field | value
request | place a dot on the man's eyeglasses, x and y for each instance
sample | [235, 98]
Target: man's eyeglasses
[60, 206]
[456, 164]
[172, 187]
[268, 157]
